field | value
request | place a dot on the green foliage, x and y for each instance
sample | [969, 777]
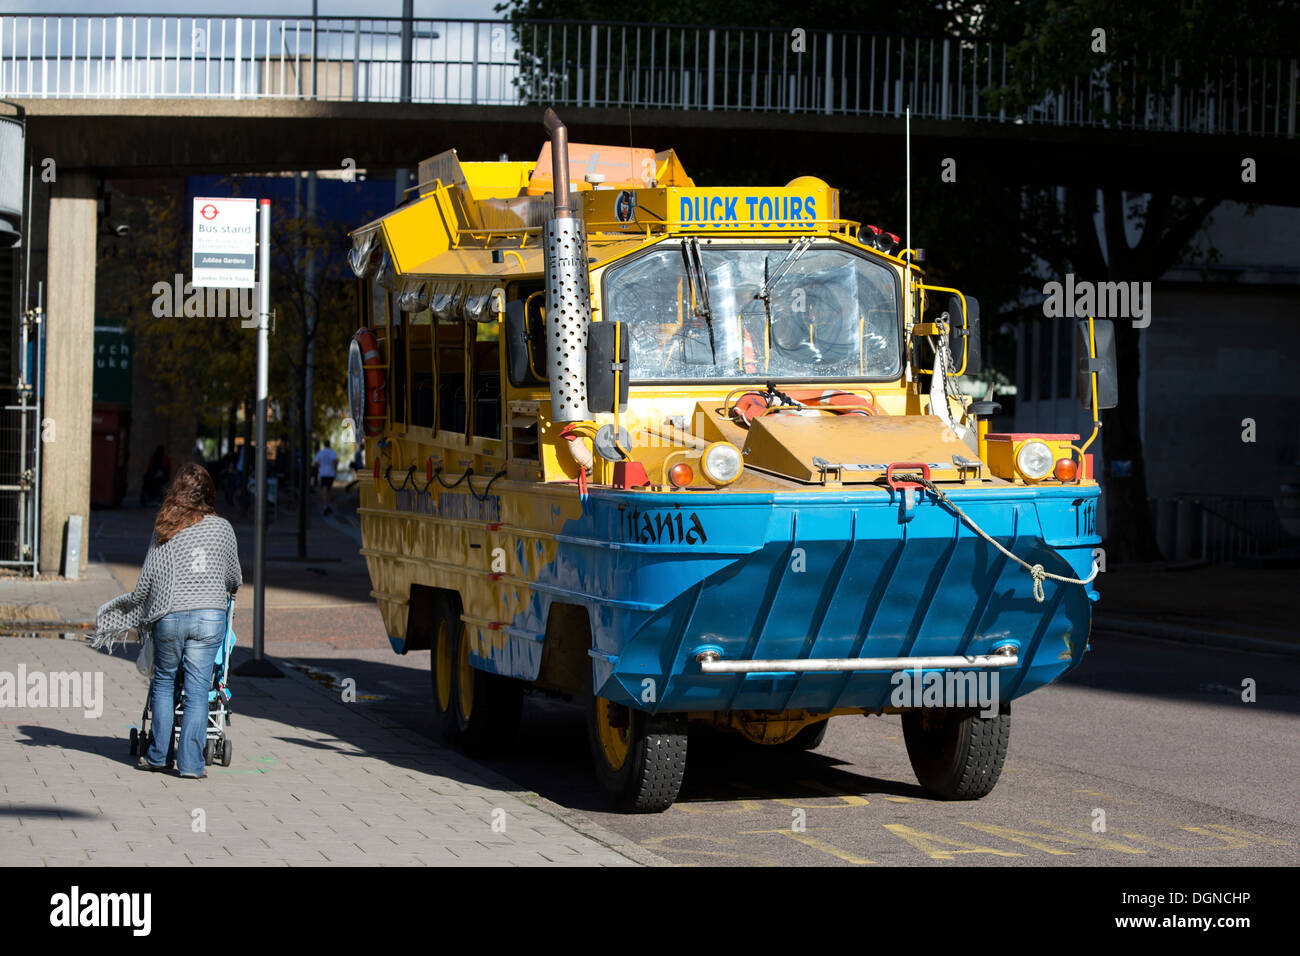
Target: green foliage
[201, 366]
[1143, 51]
[873, 15]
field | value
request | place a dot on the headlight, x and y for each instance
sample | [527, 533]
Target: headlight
[722, 463]
[1034, 460]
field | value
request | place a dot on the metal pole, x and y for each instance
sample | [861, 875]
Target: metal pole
[907, 187]
[407, 47]
[259, 666]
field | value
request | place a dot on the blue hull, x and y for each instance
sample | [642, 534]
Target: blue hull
[825, 575]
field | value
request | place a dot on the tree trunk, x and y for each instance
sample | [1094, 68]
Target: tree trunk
[304, 442]
[1169, 227]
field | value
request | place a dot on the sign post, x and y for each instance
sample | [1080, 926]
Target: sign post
[258, 665]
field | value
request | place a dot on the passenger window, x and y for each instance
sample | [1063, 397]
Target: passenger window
[397, 363]
[451, 407]
[420, 352]
[487, 379]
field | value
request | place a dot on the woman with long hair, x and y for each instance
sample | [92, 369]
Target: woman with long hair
[190, 571]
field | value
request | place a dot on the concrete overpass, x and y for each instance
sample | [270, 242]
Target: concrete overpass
[143, 96]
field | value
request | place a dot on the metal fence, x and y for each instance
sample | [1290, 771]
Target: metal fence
[621, 65]
[1221, 528]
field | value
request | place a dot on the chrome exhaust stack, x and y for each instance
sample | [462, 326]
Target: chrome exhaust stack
[568, 293]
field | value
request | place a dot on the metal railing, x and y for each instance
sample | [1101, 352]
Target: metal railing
[1220, 528]
[1239, 527]
[622, 65]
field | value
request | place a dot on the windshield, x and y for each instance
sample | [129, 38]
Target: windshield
[831, 314]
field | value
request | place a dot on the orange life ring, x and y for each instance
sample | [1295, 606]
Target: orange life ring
[367, 384]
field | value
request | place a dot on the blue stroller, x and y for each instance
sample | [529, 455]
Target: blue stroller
[217, 747]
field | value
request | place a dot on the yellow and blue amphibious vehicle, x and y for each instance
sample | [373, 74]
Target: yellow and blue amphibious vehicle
[696, 455]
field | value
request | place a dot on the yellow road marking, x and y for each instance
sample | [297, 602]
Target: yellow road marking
[658, 843]
[925, 842]
[850, 800]
[1155, 842]
[1043, 841]
[1233, 837]
[743, 806]
[1109, 796]
[817, 844]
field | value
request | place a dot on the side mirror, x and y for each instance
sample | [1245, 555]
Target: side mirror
[607, 365]
[964, 340]
[1099, 360]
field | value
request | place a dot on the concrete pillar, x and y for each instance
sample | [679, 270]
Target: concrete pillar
[69, 364]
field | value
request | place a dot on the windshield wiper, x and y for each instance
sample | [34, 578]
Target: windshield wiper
[699, 287]
[765, 290]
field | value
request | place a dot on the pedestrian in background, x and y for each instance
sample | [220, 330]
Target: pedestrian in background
[189, 573]
[327, 463]
[156, 474]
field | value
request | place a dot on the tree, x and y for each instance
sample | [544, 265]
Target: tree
[319, 305]
[202, 365]
[1129, 60]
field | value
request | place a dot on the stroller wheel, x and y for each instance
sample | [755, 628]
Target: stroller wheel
[135, 742]
[207, 753]
[227, 750]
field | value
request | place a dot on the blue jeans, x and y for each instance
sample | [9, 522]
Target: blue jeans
[194, 638]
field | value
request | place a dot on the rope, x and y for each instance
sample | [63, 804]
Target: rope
[1036, 571]
[437, 473]
[487, 490]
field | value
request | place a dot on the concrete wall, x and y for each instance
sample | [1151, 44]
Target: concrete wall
[1215, 356]
[69, 363]
[1222, 350]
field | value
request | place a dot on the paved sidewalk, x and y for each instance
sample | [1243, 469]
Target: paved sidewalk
[314, 781]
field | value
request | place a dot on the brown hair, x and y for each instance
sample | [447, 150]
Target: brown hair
[189, 498]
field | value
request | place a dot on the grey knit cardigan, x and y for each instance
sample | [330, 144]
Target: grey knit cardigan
[196, 569]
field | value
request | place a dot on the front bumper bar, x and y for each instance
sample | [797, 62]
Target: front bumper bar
[710, 663]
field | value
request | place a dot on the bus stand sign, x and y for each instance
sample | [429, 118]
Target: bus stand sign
[225, 243]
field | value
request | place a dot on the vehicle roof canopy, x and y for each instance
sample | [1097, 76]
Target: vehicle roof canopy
[460, 213]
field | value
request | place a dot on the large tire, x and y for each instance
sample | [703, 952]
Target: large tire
[488, 706]
[472, 708]
[442, 669]
[640, 758]
[957, 754]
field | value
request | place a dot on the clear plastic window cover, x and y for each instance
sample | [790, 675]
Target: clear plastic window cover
[362, 254]
[413, 295]
[385, 275]
[834, 315]
[452, 300]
